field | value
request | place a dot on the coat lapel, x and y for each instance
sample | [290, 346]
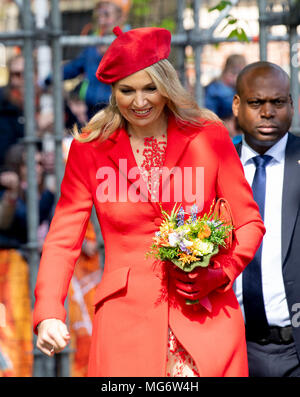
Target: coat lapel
[179, 137]
[122, 156]
[291, 192]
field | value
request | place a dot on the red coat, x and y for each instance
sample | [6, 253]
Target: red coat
[130, 328]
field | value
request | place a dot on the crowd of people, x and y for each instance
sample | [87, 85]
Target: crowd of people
[128, 104]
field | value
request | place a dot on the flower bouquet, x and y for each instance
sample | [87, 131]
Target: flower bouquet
[189, 243]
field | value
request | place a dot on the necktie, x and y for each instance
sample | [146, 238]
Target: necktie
[256, 321]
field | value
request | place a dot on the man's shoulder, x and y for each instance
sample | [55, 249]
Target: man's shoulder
[292, 138]
[218, 88]
[293, 144]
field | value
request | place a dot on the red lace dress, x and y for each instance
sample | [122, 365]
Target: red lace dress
[150, 161]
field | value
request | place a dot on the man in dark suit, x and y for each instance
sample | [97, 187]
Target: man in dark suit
[269, 288]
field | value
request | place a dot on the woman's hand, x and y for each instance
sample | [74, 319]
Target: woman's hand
[198, 283]
[53, 336]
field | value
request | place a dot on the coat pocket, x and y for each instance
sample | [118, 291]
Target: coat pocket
[111, 283]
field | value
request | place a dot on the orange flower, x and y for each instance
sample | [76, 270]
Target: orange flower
[160, 241]
[205, 232]
[185, 258]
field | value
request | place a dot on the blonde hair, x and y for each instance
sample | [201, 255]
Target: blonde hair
[179, 102]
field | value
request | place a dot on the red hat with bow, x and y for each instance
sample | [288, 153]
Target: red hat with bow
[132, 51]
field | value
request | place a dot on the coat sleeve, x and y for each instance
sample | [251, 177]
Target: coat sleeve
[248, 225]
[63, 243]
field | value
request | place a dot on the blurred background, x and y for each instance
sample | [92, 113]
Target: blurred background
[49, 52]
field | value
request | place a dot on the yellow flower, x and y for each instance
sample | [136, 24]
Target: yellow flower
[165, 229]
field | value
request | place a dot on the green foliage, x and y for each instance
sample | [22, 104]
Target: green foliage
[237, 31]
[172, 217]
[220, 6]
[168, 23]
[240, 34]
[217, 235]
[168, 253]
[142, 8]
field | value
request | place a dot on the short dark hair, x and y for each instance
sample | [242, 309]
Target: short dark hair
[257, 65]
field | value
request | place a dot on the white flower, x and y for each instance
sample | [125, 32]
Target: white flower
[173, 239]
[206, 247]
[177, 238]
[186, 243]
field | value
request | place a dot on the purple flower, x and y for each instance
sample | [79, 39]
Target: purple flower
[177, 239]
[180, 217]
[194, 211]
[214, 223]
[183, 248]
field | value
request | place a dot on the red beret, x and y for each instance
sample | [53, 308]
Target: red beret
[132, 51]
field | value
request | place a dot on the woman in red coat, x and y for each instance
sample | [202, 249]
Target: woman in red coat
[151, 124]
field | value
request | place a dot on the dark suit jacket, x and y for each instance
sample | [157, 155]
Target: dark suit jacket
[290, 231]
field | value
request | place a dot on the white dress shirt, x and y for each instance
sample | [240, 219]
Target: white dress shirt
[272, 280]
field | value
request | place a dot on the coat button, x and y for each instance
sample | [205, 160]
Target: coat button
[157, 221]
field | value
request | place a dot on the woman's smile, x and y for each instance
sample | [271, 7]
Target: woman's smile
[141, 112]
[140, 103]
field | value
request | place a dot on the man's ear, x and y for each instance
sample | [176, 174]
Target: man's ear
[236, 105]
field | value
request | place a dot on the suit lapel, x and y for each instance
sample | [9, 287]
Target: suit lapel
[291, 192]
[238, 147]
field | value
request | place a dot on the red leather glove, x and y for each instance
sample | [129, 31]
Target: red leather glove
[198, 283]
